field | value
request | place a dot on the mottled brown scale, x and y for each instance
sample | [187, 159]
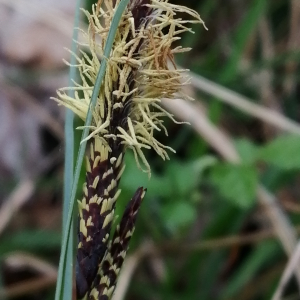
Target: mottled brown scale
[103, 297]
[92, 252]
[102, 167]
[119, 244]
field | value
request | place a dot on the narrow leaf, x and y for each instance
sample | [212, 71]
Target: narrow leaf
[237, 183]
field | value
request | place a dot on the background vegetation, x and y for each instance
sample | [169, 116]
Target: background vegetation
[220, 219]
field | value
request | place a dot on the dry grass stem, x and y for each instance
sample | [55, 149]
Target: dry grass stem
[244, 104]
[293, 45]
[25, 189]
[42, 115]
[15, 201]
[291, 268]
[46, 278]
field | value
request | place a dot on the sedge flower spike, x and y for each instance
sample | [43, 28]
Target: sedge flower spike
[138, 75]
[140, 72]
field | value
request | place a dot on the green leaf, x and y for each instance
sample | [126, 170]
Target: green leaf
[179, 178]
[247, 150]
[31, 241]
[241, 38]
[283, 152]
[237, 183]
[184, 177]
[158, 185]
[178, 214]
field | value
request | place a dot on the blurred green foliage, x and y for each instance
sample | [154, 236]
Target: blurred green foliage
[197, 196]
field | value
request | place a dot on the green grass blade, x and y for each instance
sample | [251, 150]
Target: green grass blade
[242, 36]
[66, 237]
[69, 164]
[69, 130]
[262, 255]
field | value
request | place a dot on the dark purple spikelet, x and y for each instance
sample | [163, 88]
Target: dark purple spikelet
[140, 11]
[106, 279]
[96, 214]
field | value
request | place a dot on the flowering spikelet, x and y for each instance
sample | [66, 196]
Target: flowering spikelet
[96, 211]
[138, 75]
[105, 281]
[126, 115]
